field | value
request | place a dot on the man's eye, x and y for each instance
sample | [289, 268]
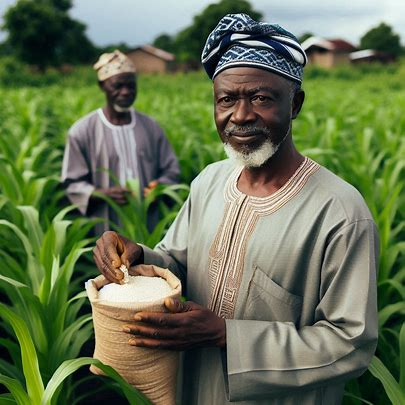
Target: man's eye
[226, 101]
[260, 99]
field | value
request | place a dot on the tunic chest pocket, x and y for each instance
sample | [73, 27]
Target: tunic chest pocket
[267, 301]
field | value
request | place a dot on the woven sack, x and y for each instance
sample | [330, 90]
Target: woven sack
[151, 371]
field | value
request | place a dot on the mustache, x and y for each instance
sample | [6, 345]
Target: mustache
[247, 130]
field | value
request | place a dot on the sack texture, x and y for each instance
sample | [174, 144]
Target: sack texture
[151, 371]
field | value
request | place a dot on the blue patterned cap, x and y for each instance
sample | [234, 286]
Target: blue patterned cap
[238, 40]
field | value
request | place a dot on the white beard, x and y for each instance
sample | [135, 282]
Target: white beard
[255, 158]
[119, 109]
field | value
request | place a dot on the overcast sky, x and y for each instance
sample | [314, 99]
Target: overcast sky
[138, 22]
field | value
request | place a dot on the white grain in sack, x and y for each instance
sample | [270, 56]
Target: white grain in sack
[137, 289]
[152, 371]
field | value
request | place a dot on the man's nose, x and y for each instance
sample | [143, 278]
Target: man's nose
[243, 112]
[127, 90]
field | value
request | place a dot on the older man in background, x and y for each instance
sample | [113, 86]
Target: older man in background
[115, 140]
[278, 254]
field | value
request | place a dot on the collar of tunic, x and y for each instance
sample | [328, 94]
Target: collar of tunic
[105, 121]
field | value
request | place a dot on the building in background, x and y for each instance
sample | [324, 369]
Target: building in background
[370, 56]
[328, 53]
[148, 59]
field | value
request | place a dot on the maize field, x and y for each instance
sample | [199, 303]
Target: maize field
[352, 122]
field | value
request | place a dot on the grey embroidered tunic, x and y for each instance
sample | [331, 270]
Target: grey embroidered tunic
[96, 148]
[293, 274]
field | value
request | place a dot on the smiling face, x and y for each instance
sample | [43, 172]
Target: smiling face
[253, 112]
[120, 91]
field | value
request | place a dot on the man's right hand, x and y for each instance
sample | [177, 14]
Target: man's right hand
[113, 250]
[116, 193]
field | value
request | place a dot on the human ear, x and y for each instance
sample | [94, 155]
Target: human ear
[101, 85]
[297, 102]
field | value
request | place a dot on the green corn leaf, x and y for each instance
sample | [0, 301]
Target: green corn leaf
[398, 228]
[70, 262]
[16, 390]
[173, 191]
[54, 271]
[35, 387]
[48, 248]
[35, 270]
[402, 357]
[49, 280]
[60, 227]
[397, 286]
[60, 233]
[400, 275]
[13, 282]
[121, 213]
[389, 310]
[11, 267]
[14, 352]
[63, 341]
[392, 388]
[159, 230]
[35, 234]
[11, 181]
[396, 173]
[390, 257]
[356, 397]
[10, 370]
[72, 304]
[62, 213]
[3, 201]
[30, 309]
[70, 366]
[33, 190]
[82, 336]
[134, 186]
[60, 291]
[6, 399]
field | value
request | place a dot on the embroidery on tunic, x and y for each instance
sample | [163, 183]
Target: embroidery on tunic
[125, 146]
[228, 250]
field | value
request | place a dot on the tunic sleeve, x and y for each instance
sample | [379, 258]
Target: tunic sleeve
[266, 359]
[76, 175]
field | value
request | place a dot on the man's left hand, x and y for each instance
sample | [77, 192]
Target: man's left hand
[186, 326]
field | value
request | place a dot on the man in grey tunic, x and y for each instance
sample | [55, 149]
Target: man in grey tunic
[277, 254]
[115, 140]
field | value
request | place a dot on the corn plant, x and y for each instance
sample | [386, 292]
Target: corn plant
[395, 389]
[36, 279]
[133, 216]
[34, 390]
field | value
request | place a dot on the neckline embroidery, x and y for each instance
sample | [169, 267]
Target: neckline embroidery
[265, 205]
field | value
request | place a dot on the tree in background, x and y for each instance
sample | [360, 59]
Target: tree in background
[305, 36]
[122, 46]
[383, 39]
[41, 33]
[188, 43]
[165, 42]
